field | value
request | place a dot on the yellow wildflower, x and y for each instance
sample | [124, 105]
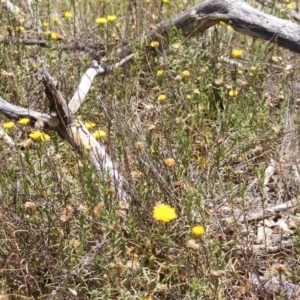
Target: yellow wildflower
[24, 121]
[139, 145]
[35, 135]
[154, 44]
[98, 134]
[185, 73]
[202, 161]
[236, 53]
[111, 18]
[197, 231]
[8, 125]
[222, 23]
[68, 15]
[45, 24]
[233, 93]
[162, 97]
[289, 6]
[55, 20]
[160, 72]
[20, 28]
[54, 36]
[165, 1]
[101, 21]
[229, 28]
[44, 137]
[164, 213]
[188, 97]
[89, 125]
[170, 162]
[88, 148]
[148, 1]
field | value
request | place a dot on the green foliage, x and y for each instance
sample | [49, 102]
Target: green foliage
[63, 230]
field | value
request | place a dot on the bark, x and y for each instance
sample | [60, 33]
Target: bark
[270, 288]
[241, 16]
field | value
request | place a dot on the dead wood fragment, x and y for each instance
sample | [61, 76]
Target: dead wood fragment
[71, 129]
[80, 138]
[240, 15]
[272, 287]
[272, 211]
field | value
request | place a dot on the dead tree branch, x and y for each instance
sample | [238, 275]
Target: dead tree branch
[271, 287]
[240, 15]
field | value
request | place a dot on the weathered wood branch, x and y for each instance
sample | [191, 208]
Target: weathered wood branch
[240, 15]
[16, 112]
[62, 118]
[80, 138]
[270, 288]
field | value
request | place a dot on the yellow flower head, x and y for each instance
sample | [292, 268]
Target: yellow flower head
[101, 21]
[154, 44]
[68, 15]
[139, 145]
[185, 73]
[165, 1]
[88, 148]
[111, 18]
[229, 28]
[89, 125]
[188, 97]
[160, 72]
[44, 137]
[197, 231]
[236, 53]
[35, 135]
[54, 36]
[8, 125]
[55, 20]
[24, 121]
[45, 24]
[20, 28]
[164, 213]
[233, 93]
[162, 97]
[289, 6]
[170, 162]
[98, 134]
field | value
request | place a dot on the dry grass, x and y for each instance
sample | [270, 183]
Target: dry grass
[63, 233]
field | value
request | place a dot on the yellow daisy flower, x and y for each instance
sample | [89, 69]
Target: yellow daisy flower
[111, 18]
[68, 15]
[89, 125]
[162, 97]
[236, 53]
[170, 162]
[198, 231]
[8, 125]
[24, 121]
[164, 213]
[101, 21]
[185, 73]
[98, 134]
[154, 44]
[35, 135]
